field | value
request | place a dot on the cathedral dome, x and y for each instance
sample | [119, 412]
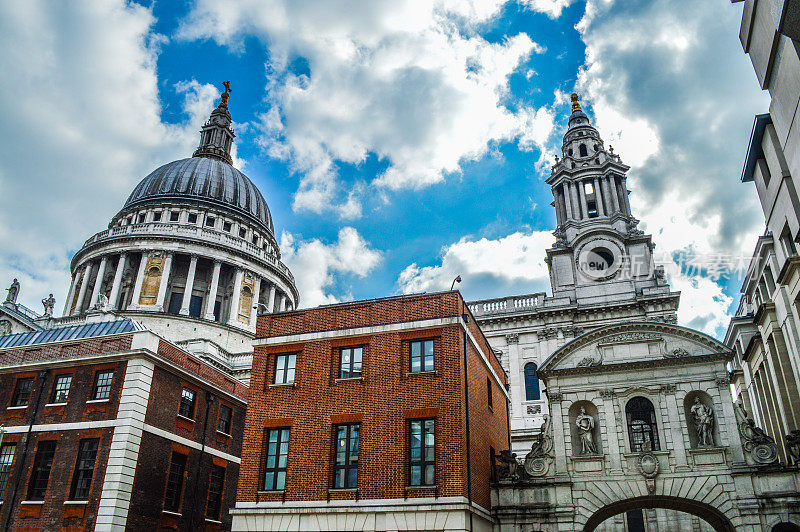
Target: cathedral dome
[203, 180]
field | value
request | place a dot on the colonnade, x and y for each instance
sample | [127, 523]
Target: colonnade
[161, 264]
[609, 195]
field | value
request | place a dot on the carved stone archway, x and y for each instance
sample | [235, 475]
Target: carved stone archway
[708, 513]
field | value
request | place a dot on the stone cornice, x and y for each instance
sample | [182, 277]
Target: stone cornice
[636, 365]
[791, 266]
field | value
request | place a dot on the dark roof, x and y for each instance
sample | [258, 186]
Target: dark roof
[72, 332]
[206, 180]
[754, 150]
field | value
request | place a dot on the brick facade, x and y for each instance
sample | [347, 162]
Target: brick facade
[138, 429]
[383, 400]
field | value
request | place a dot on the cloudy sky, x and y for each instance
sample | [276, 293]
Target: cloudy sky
[398, 143]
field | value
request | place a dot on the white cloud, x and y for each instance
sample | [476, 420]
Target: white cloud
[81, 125]
[511, 260]
[407, 82]
[552, 8]
[316, 266]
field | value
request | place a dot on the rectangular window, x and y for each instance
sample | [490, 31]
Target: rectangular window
[40, 473]
[22, 392]
[350, 362]
[157, 216]
[422, 355]
[192, 218]
[255, 239]
[215, 488]
[489, 393]
[175, 302]
[242, 232]
[422, 454]
[226, 226]
[284, 368]
[174, 215]
[102, 384]
[141, 218]
[186, 408]
[61, 389]
[6, 461]
[210, 221]
[225, 419]
[345, 465]
[277, 456]
[84, 470]
[177, 467]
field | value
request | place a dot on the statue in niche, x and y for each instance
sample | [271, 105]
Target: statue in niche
[585, 424]
[704, 423]
[48, 303]
[13, 292]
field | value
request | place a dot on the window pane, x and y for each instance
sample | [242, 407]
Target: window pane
[280, 480]
[416, 475]
[6, 460]
[429, 471]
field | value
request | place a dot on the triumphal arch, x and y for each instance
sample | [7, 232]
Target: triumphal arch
[641, 417]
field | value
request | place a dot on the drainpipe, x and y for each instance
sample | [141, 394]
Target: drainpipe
[465, 317]
[190, 524]
[20, 467]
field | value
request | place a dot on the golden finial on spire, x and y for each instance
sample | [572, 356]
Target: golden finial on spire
[575, 105]
[225, 95]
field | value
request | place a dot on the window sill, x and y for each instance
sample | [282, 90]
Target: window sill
[346, 379]
[55, 404]
[76, 502]
[176, 514]
[634, 454]
[429, 372]
[213, 521]
[342, 490]
[31, 502]
[16, 407]
[190, 420]
[412, 488]
[267, 492]
[283, 385]
[97, 401]
[225, 434]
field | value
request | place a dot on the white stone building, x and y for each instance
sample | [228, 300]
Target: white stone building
[192, 255]
[601, 273]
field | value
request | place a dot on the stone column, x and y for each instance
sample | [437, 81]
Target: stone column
[98, 281]
[187, 292]
[84, 286]
[271, 302]
[575, 200]
[233, 315]
[625, 206]
[256, 296]
[568, 200]
[112, 300]
[137, 285]
[608, 200]
[582, 194]
[282, 302]
[598, 197]
[612, 184]
[165, 275]
[70, 294]
[212, 293]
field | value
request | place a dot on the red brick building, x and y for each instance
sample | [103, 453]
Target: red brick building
[372, 415]
[110, 427]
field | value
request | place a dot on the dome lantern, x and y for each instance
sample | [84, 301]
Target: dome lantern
[216, 136]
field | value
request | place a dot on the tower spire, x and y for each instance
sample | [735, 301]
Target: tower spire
[576, 106]
[216, 136]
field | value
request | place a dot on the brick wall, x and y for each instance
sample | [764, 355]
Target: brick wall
[383, 402]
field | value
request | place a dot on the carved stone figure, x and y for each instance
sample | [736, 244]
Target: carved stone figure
[102, 302]
[759, 446]
[5, 327]
[48, 303]
[793, 445]
[586, 362]
[507, 468]
[538, 460]
[585, 424]
[13, 292]
[704, 423]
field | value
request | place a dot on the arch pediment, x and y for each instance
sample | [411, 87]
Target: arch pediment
[633, 341]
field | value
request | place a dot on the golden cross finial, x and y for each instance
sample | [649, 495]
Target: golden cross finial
[575, 105]
[226, 94]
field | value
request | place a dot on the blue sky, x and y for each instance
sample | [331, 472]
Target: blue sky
[398, 144]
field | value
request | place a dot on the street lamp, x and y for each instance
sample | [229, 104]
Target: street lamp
[456, 280]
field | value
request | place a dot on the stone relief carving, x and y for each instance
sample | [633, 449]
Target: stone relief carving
[703, 417]
[758, 445]
[538, 460]
[678, 352]
[508, 467]
[606, 393]
[669, 388]
[585, 424]
[625, 338]
[534, 409]
[723, 382]
[648, 466]
[5, 327]
[554, 397]
[586, 362]
[672, 318]
[561, 238]
[512, 338]
[631, 227]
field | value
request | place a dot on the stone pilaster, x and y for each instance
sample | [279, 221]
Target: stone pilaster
[187, 292]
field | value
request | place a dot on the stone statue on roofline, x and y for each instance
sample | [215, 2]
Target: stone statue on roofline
[48, 303]
[13, 292]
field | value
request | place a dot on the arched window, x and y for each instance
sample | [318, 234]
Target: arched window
[531, 382]
[642, 424]
[582, 150]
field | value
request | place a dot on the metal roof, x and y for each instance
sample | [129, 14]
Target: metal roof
[72, 332]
